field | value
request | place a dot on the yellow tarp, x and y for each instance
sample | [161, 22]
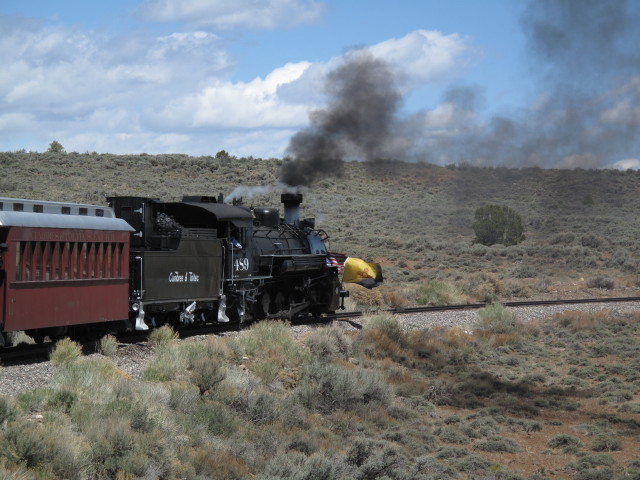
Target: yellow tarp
[356, 270]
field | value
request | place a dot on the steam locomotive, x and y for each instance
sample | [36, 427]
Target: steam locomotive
[70, 269]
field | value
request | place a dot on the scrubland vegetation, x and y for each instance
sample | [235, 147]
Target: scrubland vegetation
[581, 226]
[502, 400]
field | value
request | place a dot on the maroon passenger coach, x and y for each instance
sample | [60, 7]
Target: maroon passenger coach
[61, 264]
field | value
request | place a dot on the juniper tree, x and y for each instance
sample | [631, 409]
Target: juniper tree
[497, 224]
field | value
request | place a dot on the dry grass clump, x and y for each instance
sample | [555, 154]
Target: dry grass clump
[271, 350]
[440, 347]
[163, 335]
[382, 337]
[329, 343]
[484, 287]
[107, 346]
[65, 351]
[601, 282]
[437, 292]
[499, 324]
[397, 297]
[361, 298]
[576, 320]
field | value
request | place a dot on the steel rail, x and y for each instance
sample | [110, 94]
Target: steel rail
[41, 352]
[477, 306]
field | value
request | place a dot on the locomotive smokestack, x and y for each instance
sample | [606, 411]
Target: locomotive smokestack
[291, 203]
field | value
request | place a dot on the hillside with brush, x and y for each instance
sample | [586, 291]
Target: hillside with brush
[416, 219]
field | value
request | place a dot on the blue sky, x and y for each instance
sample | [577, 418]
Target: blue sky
[198, 76]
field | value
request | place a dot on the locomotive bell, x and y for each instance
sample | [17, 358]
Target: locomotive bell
[291, 203]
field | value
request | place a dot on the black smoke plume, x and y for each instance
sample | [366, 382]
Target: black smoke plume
[358, 122]
[585, 59]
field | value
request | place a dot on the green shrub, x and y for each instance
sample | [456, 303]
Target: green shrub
[55, 147]
[498, 444]
[601, 282]
[217, 418]
[496, 318]
[108, 345]
[88, 376]
[565, 441]
[272, 343]
[115, 450]
[497, 224]
[329, 343]
[524, 271]
[438, 293]
[603, 473]
[386, 323]
[65, 351]
[606, 442]
[297, 466]
[472, 464]
[452, 435]
[7, 409]
[42, 447]
[206, 374]
[326, 387]
[591, 240]
[168, 362]
[163, 335]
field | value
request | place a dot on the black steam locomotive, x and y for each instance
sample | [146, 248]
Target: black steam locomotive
[68, 268]
[201, 260]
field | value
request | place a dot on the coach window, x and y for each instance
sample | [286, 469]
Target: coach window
[100, 260]
[47, 260]
[1, 206]
[38, 209]
[82, 268]
[37, 255]
[99, 212]
[82, 211]
[118, 251]
[88, 262]
[65, 210]
[108, 251]
[56, 260]
[19, 247]
[74, 272]
[66, 261]
[95, 262]
[18, 207]
[26, 260]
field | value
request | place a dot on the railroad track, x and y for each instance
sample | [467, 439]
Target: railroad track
[42, 351]
[477, 306]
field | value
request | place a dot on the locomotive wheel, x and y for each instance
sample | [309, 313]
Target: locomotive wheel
[265, 302]
[38, 337]
[278, 302]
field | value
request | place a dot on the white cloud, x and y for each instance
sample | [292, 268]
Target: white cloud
[629, 163]
[139, 93]
[253, 104]
[223, 14]
[425, 56]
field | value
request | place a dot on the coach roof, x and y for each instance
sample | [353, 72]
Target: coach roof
[47, 220]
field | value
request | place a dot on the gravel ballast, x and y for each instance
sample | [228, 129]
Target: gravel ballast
[132, 359]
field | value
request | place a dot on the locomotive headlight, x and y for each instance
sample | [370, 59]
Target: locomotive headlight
[135, 307]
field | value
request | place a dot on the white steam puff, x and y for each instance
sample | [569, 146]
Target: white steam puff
[247, 192]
